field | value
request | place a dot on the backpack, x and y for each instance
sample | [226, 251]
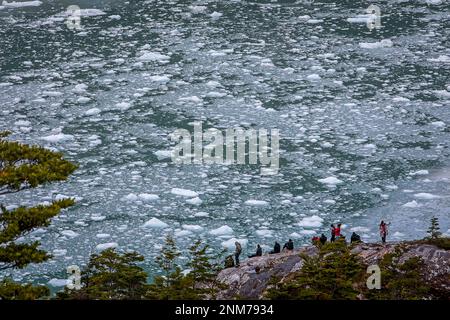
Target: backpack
[238, 248]
[229, 262]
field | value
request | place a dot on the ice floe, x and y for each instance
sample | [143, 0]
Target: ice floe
[155, 223]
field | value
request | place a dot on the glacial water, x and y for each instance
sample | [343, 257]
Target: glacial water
[364, 117]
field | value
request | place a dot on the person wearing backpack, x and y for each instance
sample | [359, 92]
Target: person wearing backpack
[237, 253]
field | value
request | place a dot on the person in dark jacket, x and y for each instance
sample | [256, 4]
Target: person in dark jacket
[289, 245]
[355, 238]
[258, 252]
[333, 233]
[323, 239]
[276, 248]
[237, 253]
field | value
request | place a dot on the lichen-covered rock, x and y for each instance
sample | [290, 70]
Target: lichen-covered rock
[251, 279]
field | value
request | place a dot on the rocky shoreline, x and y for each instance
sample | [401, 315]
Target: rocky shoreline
[251, 279]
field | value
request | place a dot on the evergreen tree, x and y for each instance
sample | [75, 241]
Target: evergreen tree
[10, 290]
[434, 230]
[204, 268]
[111, 275]
[172, 285]
[23, 167]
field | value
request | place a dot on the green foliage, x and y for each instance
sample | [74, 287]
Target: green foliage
[111, 276]
[172, 285]
[204, 268]
[401, 280]
[434, 230]
[330, 275]
[10, 290]
[199, 283]
[22, 167]
[19, 222]
[442, 243]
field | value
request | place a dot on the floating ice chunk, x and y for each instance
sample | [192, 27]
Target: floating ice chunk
[123, 105]
[193, 99]
[58, 282]
[197, 9]
[22, 123]
[363, 18]
[93, 112]
[102, 235]
[314, 21]
[360, 229]
[14, 4]
[195, 201]
[215, 94]
[184, 192]
[311, 222]
[213, 84]
[130, 197]
[420, 173]
[327, 145]
[80, 88]
[385, 43]
[426, 196]
[264, 233]
[441, 58]
[163, 154]
[216, 15]
[370, 146]
[97, 217]
[155, 223]
[148, 197]
[104, 246]
[59, 252]
[256, 203]
[229, 244]
[223, 230]
[201, 214]
[147, 56]
[192, 227]
[83, 100]
[308, 232]
[331, 181]
[162, 78]
[70, 233]
[59, 137]
[438, 124]
[182, 233]
[295, 235]
[313, 77]
[91, 12]
[411, 204]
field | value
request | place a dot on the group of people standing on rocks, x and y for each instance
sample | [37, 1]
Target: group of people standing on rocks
[336, 234]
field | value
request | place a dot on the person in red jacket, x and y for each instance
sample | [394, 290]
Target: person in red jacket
[383, 231]
[337, 231]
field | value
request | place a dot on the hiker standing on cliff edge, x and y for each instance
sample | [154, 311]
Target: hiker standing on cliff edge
[383, 231]
[237, 253]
